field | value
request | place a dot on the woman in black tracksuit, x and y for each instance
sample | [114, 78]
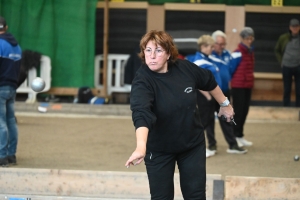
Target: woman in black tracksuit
[166, 117]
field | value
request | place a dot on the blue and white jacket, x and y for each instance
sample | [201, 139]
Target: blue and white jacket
[10, 60]
[225, 64]
[206, 62]
[225, 56]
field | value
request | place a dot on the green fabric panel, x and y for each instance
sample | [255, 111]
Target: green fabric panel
[291, 2]
[64, 30]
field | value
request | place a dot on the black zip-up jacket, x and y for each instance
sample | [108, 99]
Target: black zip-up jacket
[166, 103]
[10, 60]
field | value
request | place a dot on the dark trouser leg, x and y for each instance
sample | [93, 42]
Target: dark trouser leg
[297, 85]
[210, 129]
[192, 169]
[205, 109]
[241, 98]
[160, 169]
[226, 127]
[227, 130]
[287, 85]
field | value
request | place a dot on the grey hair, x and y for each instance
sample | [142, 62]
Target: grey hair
[218, 33]
[246, 32]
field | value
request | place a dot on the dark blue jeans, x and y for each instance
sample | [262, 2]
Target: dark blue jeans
[8, 126]
[287, 75]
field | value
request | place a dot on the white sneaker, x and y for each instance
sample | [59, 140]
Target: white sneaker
[242, 142]
[209, 153]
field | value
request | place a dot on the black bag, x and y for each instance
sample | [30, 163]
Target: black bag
[85, 94]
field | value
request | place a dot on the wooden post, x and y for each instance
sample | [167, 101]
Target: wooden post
[105, 47]
[155, 18]
[234, 23]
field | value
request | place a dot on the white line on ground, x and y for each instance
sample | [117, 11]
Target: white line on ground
[64, 115]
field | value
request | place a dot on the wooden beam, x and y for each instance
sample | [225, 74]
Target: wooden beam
[234, 23]
[63, 91]
[239, 187]
[124, 5]
[81, 183]
[155, 18]
[105, 46]
[263, 75]
[271, 9]
[195, 7]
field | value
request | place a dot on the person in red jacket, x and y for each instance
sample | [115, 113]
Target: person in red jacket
[242, 82]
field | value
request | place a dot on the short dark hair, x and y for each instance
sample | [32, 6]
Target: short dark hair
[2, 24]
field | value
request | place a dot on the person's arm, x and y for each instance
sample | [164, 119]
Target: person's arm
[235, 60]
[227, 110]
[141, 104]
[206, 94]
[278, 50]
[141, 140]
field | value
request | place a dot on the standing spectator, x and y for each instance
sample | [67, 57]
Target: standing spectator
[10, 62]
[204, 99]
[242, 82]
[222, 58]
[204, 59]
[287, 51]
[166, 118]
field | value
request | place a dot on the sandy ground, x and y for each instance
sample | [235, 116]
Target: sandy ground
[105, 143]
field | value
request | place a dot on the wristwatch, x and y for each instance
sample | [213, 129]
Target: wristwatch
[225, 103]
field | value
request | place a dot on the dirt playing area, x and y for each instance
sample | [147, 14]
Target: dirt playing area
[100, 143]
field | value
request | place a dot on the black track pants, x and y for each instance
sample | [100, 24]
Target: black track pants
[192, 169]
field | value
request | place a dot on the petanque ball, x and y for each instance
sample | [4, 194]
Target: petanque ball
[296, 158]
[38, 84]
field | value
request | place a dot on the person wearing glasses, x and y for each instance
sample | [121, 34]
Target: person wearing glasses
[242, 82]
[222, 59]
[165, 114]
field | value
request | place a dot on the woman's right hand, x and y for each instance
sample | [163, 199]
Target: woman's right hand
[136, 157]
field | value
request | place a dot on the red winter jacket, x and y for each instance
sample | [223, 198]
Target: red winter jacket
[243, 77]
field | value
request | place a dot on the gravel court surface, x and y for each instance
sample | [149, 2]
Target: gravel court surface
[84, 142]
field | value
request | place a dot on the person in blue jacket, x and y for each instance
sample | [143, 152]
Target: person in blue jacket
[222, 58]
[10, 64]
[204, 99]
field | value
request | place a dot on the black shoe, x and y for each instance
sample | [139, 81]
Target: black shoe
[12, 160]
[236, 149]
[4, 162]
[213, 148]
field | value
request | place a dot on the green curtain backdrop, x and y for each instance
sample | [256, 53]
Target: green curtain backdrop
[64, 30]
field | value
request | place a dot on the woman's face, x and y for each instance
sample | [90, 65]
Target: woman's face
[207, 49]
[156, 57]
[248, 41]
